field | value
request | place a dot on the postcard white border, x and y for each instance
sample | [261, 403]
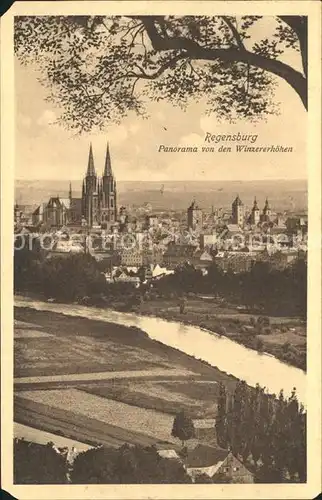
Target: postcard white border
[300, 491]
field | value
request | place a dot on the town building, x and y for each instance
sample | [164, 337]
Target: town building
[132, 257]
[195, 217]
[56, 213]
[208, 240]
[216, 463]
[267, 212]
[23, 214]
[297, 224]
[235, 261]
[201, 259]
[97, 206]
[98, 202]
[254, 218]
[178, 254]
[151, 221]
[238, 212]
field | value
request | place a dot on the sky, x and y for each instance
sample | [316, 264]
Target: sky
[46, 151]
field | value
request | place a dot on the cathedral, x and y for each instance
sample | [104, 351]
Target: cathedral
[96, 208]
[98, 203]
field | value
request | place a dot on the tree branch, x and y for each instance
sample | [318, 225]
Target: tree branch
[234, 31]
[299, 25]
[161, 70]
[193, 50]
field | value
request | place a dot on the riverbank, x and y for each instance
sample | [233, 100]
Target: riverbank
[112, 361]
[283, 338]
[227, 356]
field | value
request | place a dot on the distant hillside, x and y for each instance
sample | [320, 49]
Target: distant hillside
[176, 195]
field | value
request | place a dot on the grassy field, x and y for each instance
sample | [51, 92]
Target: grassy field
[135, 409]
[236, 324]
[74, 425]
[121, 415]
[80, 345]
[56, 355]
[196, 398]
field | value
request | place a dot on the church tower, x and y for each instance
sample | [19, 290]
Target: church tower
[194, 216]
[266, 212]
[108, 192]
[255, 214]
[90, 194]
[238, 211]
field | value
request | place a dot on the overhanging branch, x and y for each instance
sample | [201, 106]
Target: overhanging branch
[195, 51]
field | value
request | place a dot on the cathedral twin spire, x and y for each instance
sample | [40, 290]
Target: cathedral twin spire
[91, 167]
[99, 195]
[108, 165]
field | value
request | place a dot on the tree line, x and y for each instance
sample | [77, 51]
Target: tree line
[67, 278]
[267, 432]
[73, 277]
[262, 288]
[39, 464]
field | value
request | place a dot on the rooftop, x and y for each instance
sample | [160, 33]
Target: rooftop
[205, 456]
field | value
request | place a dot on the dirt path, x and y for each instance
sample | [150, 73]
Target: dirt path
[89, 377]
[42, 437]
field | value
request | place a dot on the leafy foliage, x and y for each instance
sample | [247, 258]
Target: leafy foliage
[126, 465]
[267, 432]
[183, 427]
[65, 278]
[276, 291]
[97, 69]
[37, 464]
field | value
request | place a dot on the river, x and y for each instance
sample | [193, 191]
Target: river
[227, 355]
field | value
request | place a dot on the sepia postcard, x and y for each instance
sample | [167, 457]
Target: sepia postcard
[161, 250]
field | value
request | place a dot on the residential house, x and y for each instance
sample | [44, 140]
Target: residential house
[159, 271]
[216, 463]
[38, 214]
[64, 248]
[153, 256]
[280, 259]
[125, 278]
[201, 259]
[297, 224]
[151, 221]
[208, 240]
[236, 262]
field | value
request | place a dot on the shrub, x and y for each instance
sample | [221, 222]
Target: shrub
[38, 464]
[286, 347]
[221, 330]
[263, 321]
[259, 344]
[252, 321]
[203, 478]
